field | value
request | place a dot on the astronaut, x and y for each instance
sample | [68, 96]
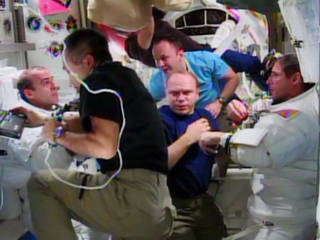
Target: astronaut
[38, 91]
[283, 146]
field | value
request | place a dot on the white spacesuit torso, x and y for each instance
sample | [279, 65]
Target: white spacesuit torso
[24, 156]
[29, 152]
[284, 185]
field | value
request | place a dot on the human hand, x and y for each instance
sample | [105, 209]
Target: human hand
[196, 128]
[49, 129]
[215, 108]
[145, 35]
[237, 111]
[210, 139]
[34, 118]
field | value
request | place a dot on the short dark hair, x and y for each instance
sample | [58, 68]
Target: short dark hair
[84, 41]
[157, 13]
[24, 83]
[289, 64]
[169, 38]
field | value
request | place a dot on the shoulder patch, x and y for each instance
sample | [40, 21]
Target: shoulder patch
[287, 113]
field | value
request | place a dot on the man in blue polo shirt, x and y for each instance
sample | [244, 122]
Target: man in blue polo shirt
[217, 81]
[190, 167]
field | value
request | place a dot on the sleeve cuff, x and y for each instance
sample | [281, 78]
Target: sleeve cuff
[233, 154]
[223, 139]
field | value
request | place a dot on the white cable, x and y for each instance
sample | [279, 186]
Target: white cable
[118, 149]
[93, 92]
[245, 232]
[76, 76]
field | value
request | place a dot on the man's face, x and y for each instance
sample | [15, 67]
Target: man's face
[279, 84]
[168, 58]
[45, 90]
[182, 93]
[78, 70]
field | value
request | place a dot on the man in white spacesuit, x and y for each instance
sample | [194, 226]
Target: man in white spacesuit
[283, 147]
[38, 91]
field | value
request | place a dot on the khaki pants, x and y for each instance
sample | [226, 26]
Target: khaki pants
[135, 205]
[198, 219]
[225, 125]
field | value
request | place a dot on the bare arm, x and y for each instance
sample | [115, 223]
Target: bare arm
[101, 142]
[177, 149]
[144, 35]
[232, 83]
[193, 133]
[34, 118]
[267, 145]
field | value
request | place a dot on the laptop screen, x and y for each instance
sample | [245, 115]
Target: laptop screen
[11, 125]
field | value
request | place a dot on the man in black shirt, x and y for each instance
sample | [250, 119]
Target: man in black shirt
[117, 124]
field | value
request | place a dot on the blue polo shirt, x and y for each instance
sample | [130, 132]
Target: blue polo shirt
[191, 176]
[210, 70]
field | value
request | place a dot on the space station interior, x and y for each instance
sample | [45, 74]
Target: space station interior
[32, 34]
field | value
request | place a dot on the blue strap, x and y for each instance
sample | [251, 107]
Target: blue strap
[23, 96]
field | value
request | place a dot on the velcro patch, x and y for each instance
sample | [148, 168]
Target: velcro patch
[287, 113]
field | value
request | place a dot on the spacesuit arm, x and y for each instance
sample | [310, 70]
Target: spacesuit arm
[247, 148]
[34, 118]
[279, 142]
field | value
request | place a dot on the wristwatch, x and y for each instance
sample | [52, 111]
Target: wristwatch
[222, 100]
[58, 132]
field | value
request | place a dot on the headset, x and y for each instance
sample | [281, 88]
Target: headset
[78, 78]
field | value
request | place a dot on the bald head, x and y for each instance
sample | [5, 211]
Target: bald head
[37, 86]
[182, 92]
[185, 76]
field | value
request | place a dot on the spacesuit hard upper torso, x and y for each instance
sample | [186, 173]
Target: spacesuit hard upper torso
[24, 156]
[27, 154]
[284, 184]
